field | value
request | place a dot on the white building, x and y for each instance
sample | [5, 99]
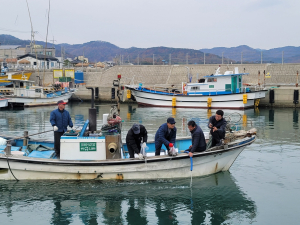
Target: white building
[39, 61]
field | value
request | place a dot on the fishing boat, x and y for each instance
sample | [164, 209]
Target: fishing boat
[99, 154]
[104, 157]
[22, 93]
[215, 91]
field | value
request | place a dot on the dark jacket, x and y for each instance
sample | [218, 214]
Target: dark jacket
[61, 119]
[220, 125]
[133, 140]
[163, 136]
[198, 140]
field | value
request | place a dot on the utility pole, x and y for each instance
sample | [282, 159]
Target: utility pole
[222, 57]
[138, 61]
[241, 57]
[204, 59]
[53, 41]
[122, 59]
[187, 58]
[261, 57]
[170, 59]
[282, 57]
[153, 59]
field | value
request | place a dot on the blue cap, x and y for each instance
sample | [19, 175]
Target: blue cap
[171, 120]
[136, 128]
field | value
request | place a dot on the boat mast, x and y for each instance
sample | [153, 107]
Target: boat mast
[46, 46]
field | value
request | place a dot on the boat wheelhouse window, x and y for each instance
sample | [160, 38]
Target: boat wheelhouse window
[228, 87]
[34, 63]
[201, 80]
[211, 79]
[38, 90]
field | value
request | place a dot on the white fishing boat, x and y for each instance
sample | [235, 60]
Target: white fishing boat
[100, 154]
[90, 157]
[225, 91]
[23, 93]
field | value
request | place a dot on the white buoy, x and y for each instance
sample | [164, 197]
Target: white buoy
[105, 118]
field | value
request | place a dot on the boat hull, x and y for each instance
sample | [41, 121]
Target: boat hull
[31, 102]
[229, 101]
[3, 103]
[162, 167]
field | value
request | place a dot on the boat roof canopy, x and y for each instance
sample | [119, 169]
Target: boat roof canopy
[226, 75]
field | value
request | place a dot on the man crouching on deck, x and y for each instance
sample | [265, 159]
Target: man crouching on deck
[217, 124]
[198, 139]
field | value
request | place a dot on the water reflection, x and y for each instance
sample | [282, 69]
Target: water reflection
[214, 199]
[295, 119]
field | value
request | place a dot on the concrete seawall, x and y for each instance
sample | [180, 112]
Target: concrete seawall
[283, 77]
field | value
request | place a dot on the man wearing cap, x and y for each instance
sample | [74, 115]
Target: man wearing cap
[166, 134]
[60, 119]
[135, 136]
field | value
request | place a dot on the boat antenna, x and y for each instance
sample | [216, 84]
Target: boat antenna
[46, 45]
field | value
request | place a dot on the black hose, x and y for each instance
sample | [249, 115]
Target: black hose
[10, 169]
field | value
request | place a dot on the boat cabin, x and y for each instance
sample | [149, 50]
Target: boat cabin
[25, 88]
[216, 84]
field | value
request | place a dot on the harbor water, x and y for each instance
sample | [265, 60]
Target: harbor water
[261, 187]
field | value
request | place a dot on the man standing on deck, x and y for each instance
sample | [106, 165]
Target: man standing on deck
[135, 136]
[166, 134]
[198, 139]
[217, 125]
[60, 119]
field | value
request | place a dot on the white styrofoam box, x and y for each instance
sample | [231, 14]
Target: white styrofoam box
[77, 148]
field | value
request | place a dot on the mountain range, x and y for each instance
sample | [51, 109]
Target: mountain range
[105, 51]
[290, 54]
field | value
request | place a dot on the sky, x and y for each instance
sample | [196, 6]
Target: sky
[193, 24]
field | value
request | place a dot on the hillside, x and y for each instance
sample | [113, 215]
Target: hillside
[105, 51]
[291, 54]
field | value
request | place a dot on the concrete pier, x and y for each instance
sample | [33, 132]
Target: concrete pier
[283, 78]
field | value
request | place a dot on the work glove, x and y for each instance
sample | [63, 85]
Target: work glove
[144, 145]
[141, 157]
[171, 145]
[55, 128]
[73, 129]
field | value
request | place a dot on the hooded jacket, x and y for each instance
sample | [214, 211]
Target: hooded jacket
[133, 140]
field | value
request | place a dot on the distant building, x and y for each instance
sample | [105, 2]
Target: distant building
[40, 49]
[81, 58]
[38, 61]
[11, 51]
[109, 63]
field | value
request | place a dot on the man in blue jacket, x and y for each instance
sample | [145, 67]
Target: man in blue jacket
[60, 119]
[166, 134]
[217, 125]
[198, 139]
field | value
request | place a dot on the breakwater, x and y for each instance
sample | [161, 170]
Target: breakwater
[282, 78]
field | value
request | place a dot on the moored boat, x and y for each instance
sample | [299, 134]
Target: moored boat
[225, 91]
[23, 93]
